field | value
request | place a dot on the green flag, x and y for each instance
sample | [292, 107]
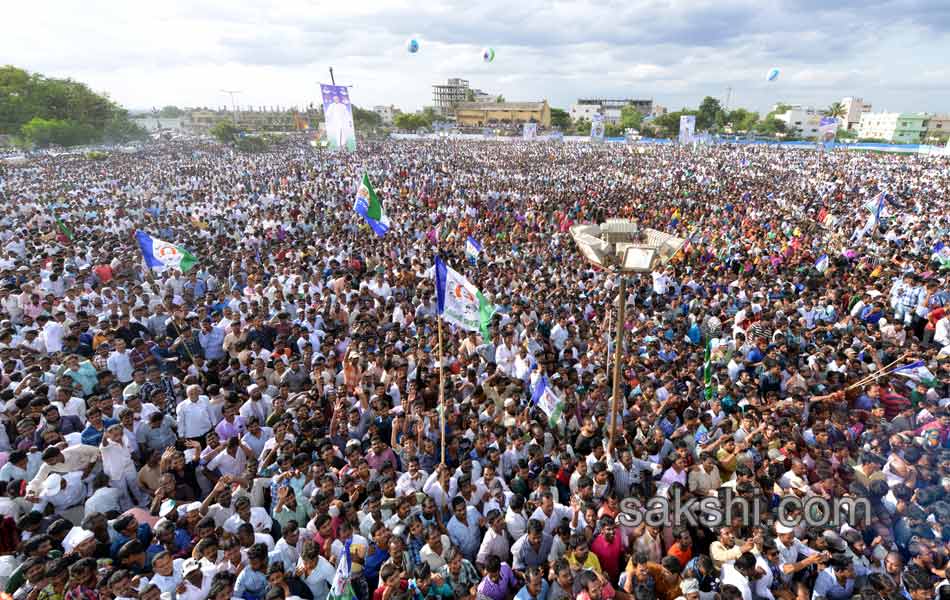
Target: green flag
[707, 371]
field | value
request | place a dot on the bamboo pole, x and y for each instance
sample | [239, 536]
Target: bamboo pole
[441, 394]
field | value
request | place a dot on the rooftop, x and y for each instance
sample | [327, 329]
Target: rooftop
[500, 105]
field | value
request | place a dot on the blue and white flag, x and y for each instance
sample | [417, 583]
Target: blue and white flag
[472, 249]
[822, 263]
[340, 587]
[160, 255]
[545, 399]
[917, 372]
[459, 302]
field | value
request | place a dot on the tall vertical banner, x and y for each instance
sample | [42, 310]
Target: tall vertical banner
[338, 114]
[687, 128]
[529, 131]
[597, 128]
[827, 130]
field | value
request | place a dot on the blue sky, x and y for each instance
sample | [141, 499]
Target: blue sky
[892, 53]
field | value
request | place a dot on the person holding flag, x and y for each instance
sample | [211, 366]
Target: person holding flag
[472, 250]
[369, 207]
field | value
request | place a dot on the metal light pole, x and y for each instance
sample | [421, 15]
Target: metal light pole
[619, 245]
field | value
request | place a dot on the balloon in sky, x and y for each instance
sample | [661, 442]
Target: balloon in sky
[412, 45]
[488, 54]
[773, 75]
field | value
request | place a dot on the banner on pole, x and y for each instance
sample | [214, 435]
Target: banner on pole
[338, 115]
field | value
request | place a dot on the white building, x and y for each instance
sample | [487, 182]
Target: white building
[803, 121]
[386, 113]
[853, 109]
[610, 108]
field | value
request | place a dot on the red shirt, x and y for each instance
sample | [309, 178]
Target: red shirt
[608, 553]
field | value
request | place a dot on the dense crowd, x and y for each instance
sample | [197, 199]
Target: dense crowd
[271, 419]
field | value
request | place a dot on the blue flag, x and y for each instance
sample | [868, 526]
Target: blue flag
[472, 249]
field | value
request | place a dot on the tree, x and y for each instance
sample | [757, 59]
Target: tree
[560, 118]
[170, 112]
[846, 134]
[630, 117]
[836, 110]
[710, 115]
[500, 99]
[225, 131]
[668, 125]
[251, 143]
[41, 133]
[582, 126]
[469, 95]
[742, 120]
[771, 126]
[57, 111]
[365, 119]
[613, 130]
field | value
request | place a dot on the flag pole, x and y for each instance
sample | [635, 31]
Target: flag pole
[441, 394]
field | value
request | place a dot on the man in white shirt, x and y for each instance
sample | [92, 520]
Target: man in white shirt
[740, 574]
[119, 363]
[194, 418]
[551, 513]
[52, 334]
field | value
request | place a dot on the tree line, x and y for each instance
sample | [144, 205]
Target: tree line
[40, 111]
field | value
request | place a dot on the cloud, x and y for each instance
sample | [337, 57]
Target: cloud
[676, 51]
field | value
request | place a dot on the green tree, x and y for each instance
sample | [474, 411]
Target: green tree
[582, 126]
[41, 133]
[630, 117]
[469, 95]
[771, 126]
[225, 131]
[68, 112]
[742, 120]
[668, 125]
[500, 99]
[710, 115]
[613, 130]
[121, 129]
[170, 112]
[251, 143]
[365, 119]
[846, 134]
[836, 110]
[560, 118]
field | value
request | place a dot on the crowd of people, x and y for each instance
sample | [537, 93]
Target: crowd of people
[270, 423]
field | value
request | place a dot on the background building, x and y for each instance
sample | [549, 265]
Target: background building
[386, 113]
[261, 119]
[801, 121]
[587, 107]
[454, 92]
[477, 114]
[938, 128]
[154, 124]
[893, 127]
[854, 108]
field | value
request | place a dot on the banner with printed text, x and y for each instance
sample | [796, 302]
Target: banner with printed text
[597, 128]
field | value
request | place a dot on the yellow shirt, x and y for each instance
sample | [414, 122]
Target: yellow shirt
[592, 562]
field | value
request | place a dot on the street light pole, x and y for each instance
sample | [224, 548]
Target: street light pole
[618, 345]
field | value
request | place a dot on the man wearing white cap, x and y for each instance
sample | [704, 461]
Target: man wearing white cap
[789, 549]
[63, 492]
[79, 459]
[79, 540]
